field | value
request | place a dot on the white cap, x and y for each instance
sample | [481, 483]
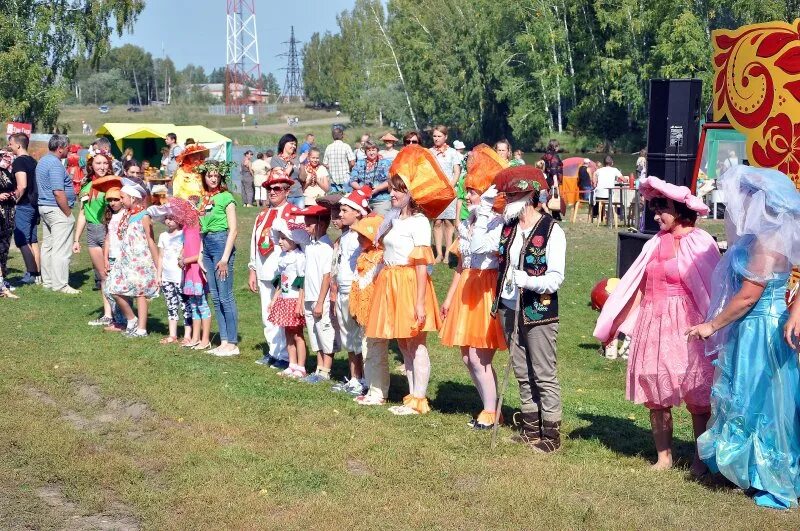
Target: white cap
[458, 144]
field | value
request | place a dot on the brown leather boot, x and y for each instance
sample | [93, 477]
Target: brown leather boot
[530, 431]
[551, 437]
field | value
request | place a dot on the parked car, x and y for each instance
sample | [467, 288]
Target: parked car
[103, 109]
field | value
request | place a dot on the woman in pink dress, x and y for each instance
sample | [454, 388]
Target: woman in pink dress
[664, 293]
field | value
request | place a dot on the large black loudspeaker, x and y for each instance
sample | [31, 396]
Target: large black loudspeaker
[673, 132]
[629, 245]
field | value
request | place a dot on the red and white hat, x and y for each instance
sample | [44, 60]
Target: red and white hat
[358, 200]
[291, 225]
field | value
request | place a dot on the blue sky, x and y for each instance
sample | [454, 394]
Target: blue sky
[194, 34]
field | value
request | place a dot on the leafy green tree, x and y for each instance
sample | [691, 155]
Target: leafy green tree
[108, 87]
[40, 44]
[217, 75]
[270, 85]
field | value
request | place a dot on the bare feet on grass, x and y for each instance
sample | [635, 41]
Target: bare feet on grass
[662, 464]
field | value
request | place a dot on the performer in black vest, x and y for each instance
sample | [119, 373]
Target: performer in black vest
[532, 254]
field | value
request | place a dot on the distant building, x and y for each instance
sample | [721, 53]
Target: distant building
[254, 96]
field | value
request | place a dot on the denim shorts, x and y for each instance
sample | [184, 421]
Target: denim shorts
[26, 220]
[95, 234]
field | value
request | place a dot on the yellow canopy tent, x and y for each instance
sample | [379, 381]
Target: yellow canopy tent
[146, 140]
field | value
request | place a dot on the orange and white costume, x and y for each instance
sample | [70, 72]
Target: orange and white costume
[469, 322]
[406, 244]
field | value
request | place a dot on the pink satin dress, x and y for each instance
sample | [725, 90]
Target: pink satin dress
[664, 369]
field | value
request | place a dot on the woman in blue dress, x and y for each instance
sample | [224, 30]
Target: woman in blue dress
[753, 437]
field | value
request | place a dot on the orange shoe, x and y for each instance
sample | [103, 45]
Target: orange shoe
[420, 405]
[485, 420]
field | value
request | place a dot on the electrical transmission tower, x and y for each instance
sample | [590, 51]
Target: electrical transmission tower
[242, 67]
[293, 86]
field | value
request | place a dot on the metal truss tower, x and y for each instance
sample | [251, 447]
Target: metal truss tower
[293, 86]
[242, 66]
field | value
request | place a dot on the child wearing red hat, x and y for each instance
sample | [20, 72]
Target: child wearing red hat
[352, 208]
[316, 304]
[286, 309]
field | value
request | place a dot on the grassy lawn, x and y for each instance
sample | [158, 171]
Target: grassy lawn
[98, 430]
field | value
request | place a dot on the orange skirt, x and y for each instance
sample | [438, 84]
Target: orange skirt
[469, 322]
[393, 301]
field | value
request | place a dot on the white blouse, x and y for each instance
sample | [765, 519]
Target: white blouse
[405, 234]
[479, 242]
[290, 266]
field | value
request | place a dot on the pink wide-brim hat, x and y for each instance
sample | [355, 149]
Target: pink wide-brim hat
[652, 187]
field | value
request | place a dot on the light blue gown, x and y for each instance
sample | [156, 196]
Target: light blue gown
[753, 438]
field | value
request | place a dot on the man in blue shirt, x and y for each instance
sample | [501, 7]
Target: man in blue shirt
[56, 199]
[306, 147]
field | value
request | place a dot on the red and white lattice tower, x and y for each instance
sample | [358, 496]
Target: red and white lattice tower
[242, 66]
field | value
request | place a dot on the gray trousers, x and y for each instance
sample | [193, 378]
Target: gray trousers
[533, 356]
[248, 190]
[56, 244]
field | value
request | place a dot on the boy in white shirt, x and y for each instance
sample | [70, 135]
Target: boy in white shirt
[319, 258]
[352, 208]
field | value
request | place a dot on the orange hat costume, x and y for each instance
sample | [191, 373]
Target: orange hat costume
[406, 243]
[187, 182]
[484, 165]
[368, 265]
[428, 185]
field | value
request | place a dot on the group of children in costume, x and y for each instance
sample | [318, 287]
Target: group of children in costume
[132, 267]
[371, 286]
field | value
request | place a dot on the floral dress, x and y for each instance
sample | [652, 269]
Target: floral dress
[134, 272]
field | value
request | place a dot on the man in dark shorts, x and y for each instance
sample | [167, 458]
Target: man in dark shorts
[26, 220]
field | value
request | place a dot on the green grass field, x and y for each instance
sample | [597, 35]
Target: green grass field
[98, 431]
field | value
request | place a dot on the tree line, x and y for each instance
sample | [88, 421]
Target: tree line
[57, 51]
[522, 69]
[129, 74]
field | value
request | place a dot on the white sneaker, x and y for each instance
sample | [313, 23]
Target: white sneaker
[225, 353]
[403, 410]
[68, 290]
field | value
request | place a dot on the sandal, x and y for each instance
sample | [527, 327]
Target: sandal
[188, 343]
[7, 293]
[198, 346]
[167, 340]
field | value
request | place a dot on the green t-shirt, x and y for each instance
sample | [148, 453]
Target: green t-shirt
[461, 193]
[93, 209]
[216, 220]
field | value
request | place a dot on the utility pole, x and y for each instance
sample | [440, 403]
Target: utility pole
[293, 86]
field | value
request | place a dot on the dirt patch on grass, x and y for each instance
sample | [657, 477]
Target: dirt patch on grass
[357, 467]
[117, 518]
[99, 413]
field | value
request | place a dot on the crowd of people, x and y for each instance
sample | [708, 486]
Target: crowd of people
[712, 332]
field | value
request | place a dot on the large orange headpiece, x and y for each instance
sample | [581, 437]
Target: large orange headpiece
[482, 168]
[427, 184]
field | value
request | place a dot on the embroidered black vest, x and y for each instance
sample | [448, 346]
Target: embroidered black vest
[537, 309]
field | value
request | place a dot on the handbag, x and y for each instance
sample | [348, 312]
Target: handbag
[554, 203]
